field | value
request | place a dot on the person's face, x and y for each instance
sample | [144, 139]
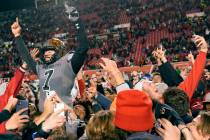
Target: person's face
[206, 74]
[135, 75]
[48, 55]
[151, 89]
[99, 76]
[156, 79]
[24, 90]
[80, 111]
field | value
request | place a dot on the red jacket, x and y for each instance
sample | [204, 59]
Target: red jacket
[190, 84]
[13, 88]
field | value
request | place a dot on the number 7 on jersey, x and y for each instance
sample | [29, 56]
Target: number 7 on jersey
[49, 74]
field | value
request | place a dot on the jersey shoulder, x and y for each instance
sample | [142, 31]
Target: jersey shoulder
[68, 56]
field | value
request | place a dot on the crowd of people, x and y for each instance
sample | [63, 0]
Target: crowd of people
[145, 17]
[164, 104]
[64, 102]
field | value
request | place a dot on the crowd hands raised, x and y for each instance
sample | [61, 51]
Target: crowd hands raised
[153, 16]
[167, 103]
[163, 104]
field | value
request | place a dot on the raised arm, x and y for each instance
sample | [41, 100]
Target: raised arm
[21, 47]
[81, 52]
[190, 84]
[167, 71]
[13, 86]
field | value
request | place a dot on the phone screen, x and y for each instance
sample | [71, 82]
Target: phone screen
[21, 104]
[50, 94]
[165, 113]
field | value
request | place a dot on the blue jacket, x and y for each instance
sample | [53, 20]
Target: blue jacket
[103, 101]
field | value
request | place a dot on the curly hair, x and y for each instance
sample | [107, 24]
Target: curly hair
[101, 127]
[177, 99]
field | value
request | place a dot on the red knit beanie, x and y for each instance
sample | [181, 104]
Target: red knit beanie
[134, 111]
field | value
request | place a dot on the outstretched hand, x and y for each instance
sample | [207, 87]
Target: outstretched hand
[16, 29]
[168, 131]
[159, 54]
[17, 120]
[115, 76]
[54, 121]
[109, 65]
[49, 105]
[201, 43]
[34, 52]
